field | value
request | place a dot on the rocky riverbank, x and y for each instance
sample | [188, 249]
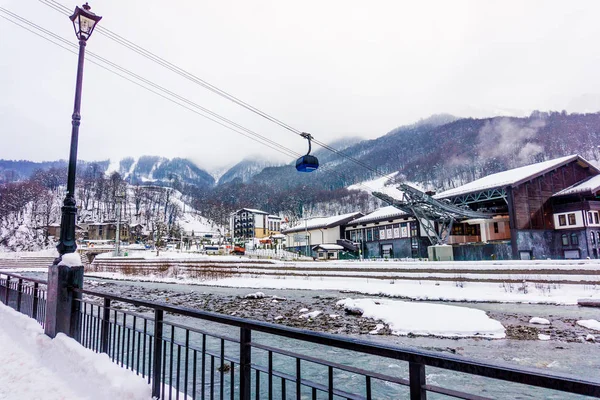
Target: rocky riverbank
[320, 312]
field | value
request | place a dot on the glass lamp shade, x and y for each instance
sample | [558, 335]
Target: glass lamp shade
[84, 21]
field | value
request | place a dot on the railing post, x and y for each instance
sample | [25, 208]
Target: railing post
[245, 361]
[62, 305]
[105, 326]
[6, 294]
[34, 306]
[416, 374]
[19, 294]
[156, 362]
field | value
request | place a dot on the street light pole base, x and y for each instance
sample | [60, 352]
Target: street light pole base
[67, 243]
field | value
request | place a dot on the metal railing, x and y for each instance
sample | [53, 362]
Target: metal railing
[26, 295]
[206, 355]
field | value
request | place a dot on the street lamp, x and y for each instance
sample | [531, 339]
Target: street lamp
[84, 22]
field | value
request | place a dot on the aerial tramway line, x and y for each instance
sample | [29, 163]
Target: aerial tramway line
[435, 216]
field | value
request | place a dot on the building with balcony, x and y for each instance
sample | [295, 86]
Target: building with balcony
[248, 223]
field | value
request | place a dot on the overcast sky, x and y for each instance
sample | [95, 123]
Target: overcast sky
[332, 68]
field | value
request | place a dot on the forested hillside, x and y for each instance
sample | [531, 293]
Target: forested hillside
[440, 152]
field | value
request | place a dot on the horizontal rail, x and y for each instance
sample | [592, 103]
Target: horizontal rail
[25, 278]
[524, 375]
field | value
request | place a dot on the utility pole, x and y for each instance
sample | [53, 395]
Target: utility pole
[118, 199]
[305, 229]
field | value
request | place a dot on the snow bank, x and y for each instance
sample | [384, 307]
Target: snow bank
[405, 318]
[590, 324]
[33, 366]
[311, 315]
[257, 295]
[539, 321]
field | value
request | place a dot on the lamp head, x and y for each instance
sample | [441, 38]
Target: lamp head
[84, 21]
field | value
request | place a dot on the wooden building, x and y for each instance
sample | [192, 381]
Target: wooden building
[525, 202]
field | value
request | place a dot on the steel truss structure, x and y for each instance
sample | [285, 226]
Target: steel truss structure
[435, 216]
[484, 195]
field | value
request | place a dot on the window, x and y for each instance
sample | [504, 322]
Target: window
[571, 219]
[574, 239]
[598, 237]
[596, 218]
[590, 217]
[458, 229]
[593, 238]
[369, 235]
[565, 239]
[496, 228]
[562, 220]
[570, 254]
[471, 230]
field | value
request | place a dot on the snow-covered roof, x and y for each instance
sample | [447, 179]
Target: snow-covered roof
[588, 186]
[328, 247]
[382, 213]
[511, 177]
[253, 211]
[323, 222]
[271, 216]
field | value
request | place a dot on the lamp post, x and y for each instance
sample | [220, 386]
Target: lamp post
[84, 22]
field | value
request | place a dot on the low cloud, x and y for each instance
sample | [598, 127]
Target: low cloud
[509, 139]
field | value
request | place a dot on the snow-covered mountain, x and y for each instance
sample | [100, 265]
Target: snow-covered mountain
[245, 170]
[163, 171]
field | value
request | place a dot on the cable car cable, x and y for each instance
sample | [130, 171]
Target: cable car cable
[180, 71]
[280, 148]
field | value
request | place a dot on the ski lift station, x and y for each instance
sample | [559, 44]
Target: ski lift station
[544, 210]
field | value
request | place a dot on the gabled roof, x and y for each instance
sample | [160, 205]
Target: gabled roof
[323, 222]
[513, 177]
[383, 213]
[328, 247]
[588, 186]
[252, 210]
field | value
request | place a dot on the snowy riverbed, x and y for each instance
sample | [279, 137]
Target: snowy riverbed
[416, 290]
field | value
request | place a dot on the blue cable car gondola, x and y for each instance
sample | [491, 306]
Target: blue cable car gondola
[308, 162]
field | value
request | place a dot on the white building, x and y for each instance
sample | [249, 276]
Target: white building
[309, 233]
[250, 223]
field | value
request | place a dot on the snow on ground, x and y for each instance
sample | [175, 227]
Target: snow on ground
[311, 315]
[52, 252]
[423, 319]
[192, 220]
[590, 324]
[33, 366]
[539, 321]
[175, 256]
[416, 290]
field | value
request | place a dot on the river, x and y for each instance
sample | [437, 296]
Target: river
[573, 357]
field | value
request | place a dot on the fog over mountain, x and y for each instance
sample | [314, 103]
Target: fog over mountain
[439, 152]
